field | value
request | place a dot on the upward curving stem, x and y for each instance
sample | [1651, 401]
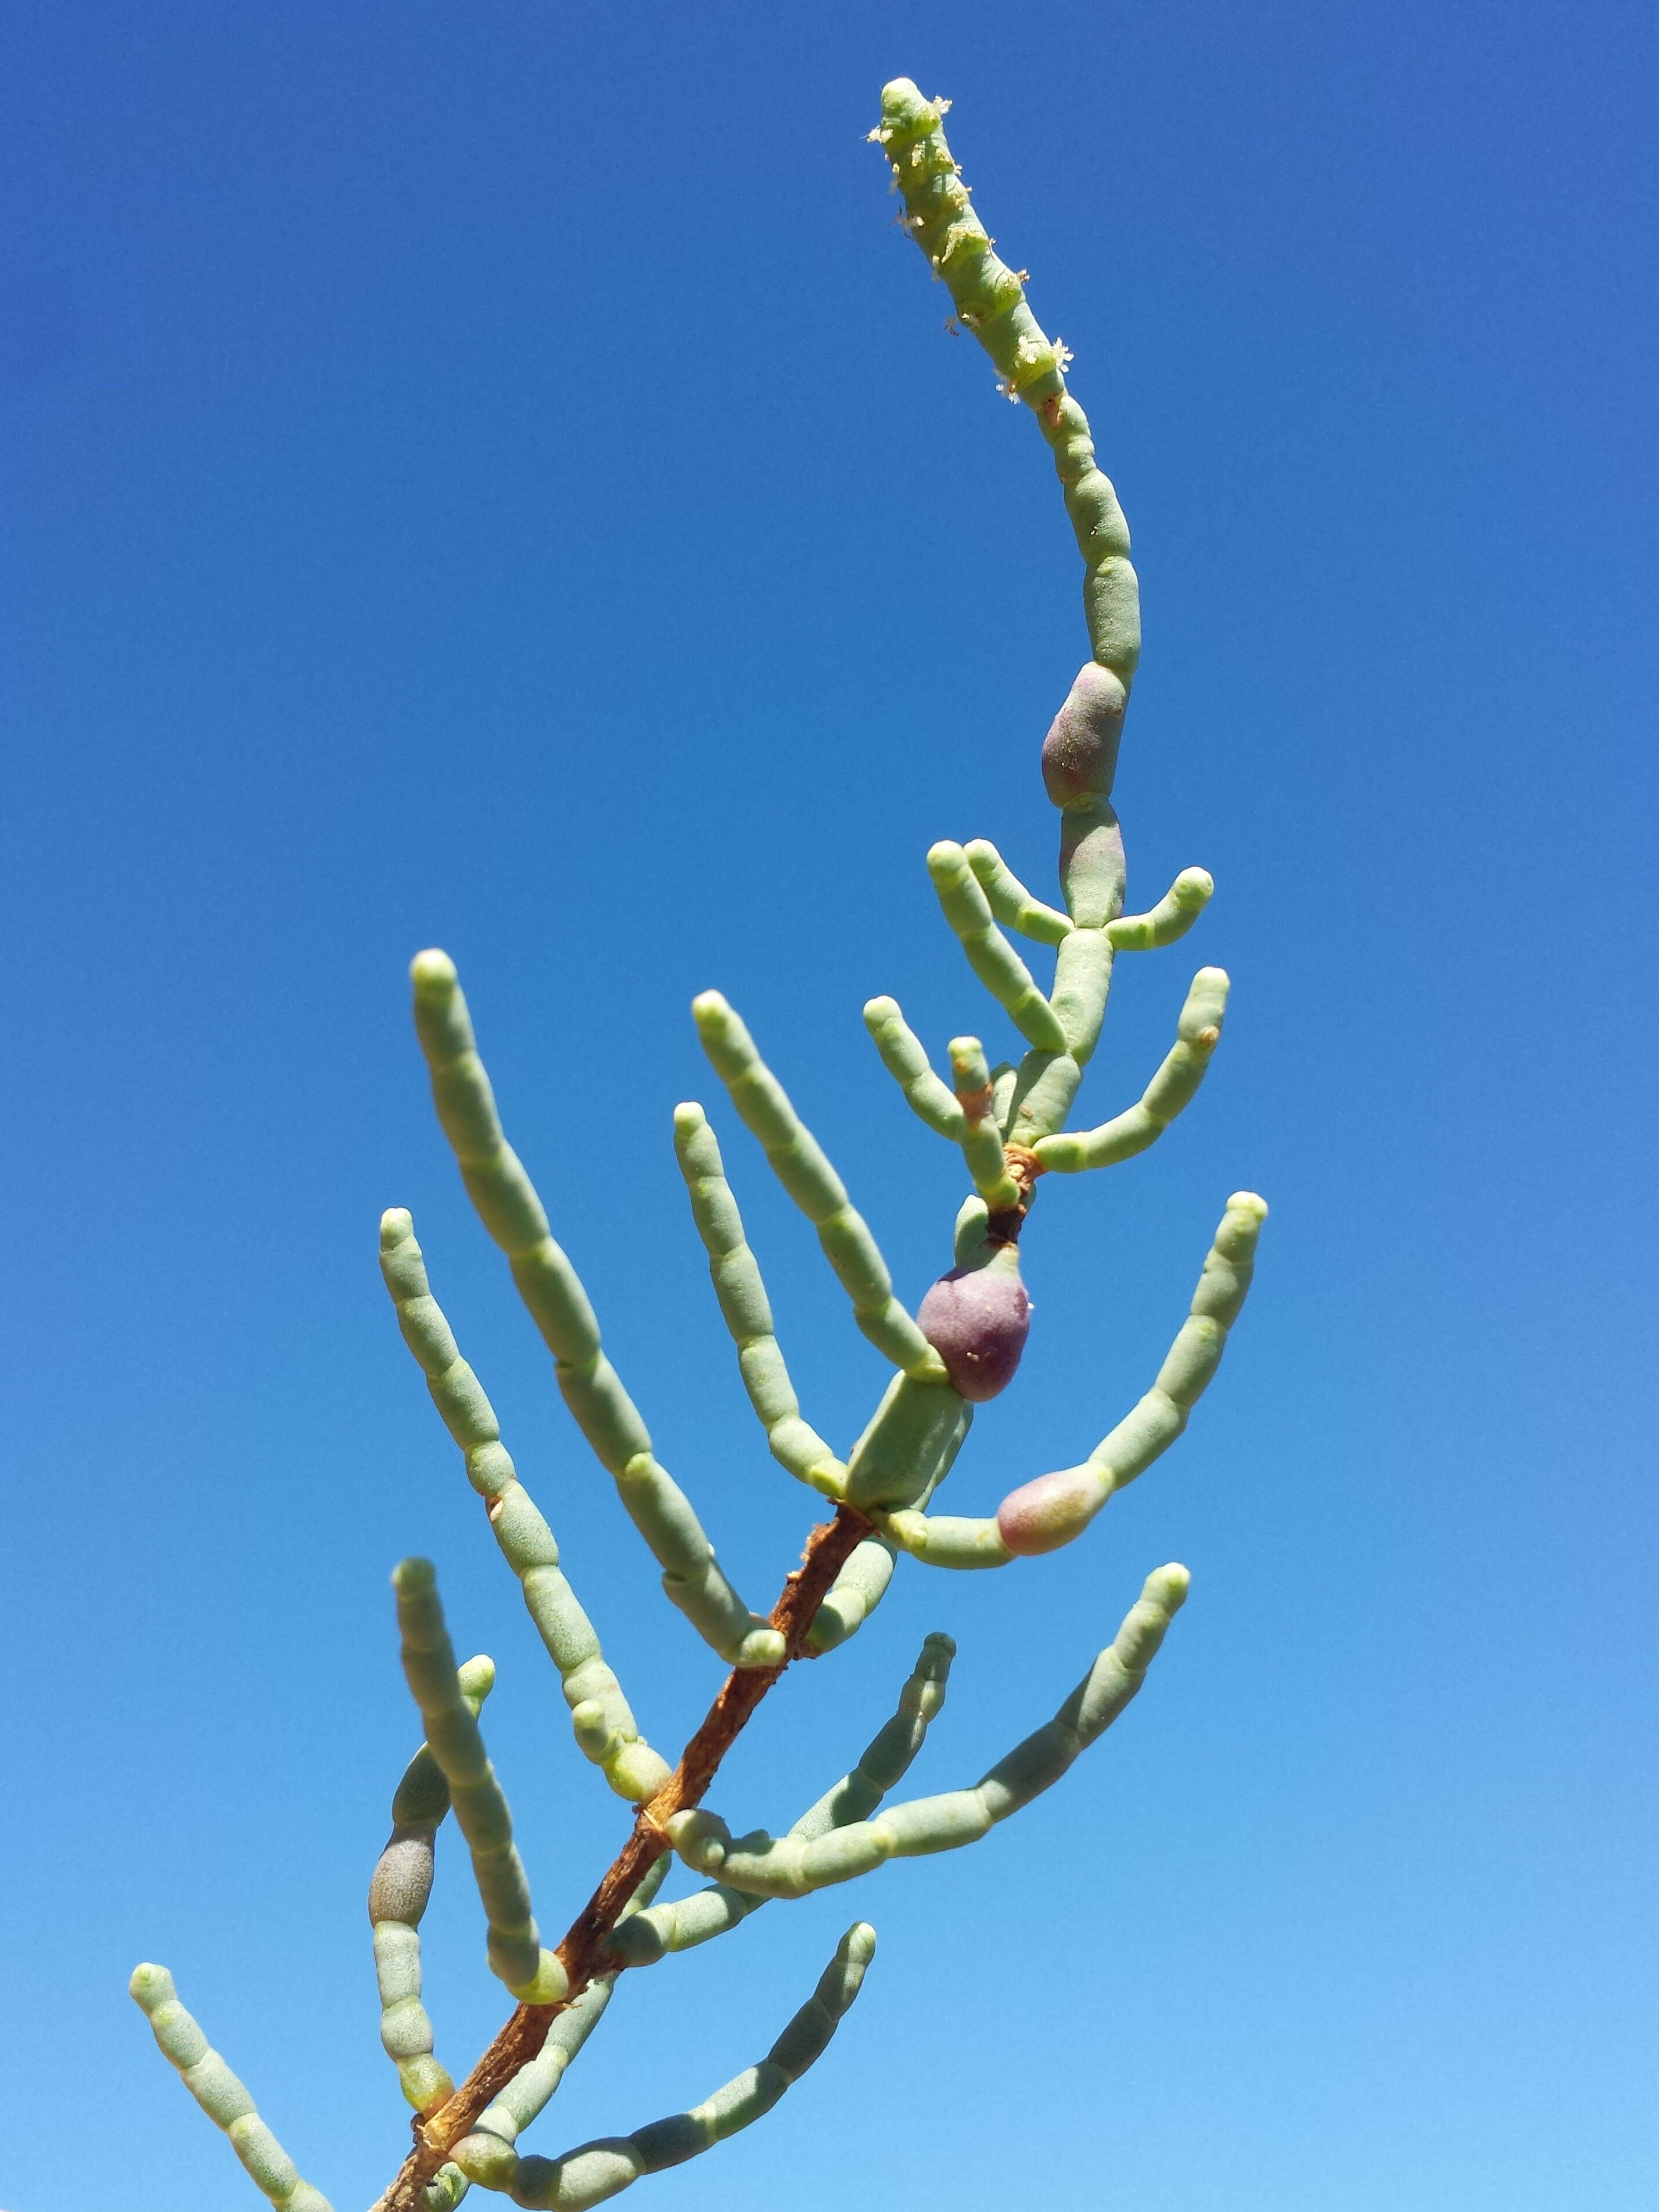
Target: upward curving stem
[990, 300]
[798, 1160]
[1080, 753]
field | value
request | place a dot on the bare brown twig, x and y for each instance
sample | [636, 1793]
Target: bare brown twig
[582, 1952]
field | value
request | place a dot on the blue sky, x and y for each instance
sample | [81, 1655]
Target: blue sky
[494, 476]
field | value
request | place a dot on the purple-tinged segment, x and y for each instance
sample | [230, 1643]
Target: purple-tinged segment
[1041, 1516]
[1080, 753]
[977, 1319]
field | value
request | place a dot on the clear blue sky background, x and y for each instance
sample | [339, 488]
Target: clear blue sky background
[494, 476]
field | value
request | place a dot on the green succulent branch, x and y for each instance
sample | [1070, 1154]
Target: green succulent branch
[798, 1160]
[508, 1206]
[220, 2094]
[648, 1936]
[795, 1864]
[399, 1891]
[746, 1309]
[595, 2171]
[600, 1716]
[961, 1346]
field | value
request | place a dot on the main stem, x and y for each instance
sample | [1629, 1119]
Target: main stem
[582, 1952]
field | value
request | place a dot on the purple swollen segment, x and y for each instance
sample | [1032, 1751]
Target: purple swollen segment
[1044, 1515]
[977, 1318]
[1080, 753]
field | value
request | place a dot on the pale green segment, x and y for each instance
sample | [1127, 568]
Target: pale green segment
[946, 1540]
[1046, 1083]
[968, 1230]
[1094, 874]
[514, 1948]
[1192, 1360]
[963, 901]
[1009, 900]
[990, 300]
[928, 1097]
[1171, 918]
[530, 2090]
[1004, 1077]
[746, 1309]
[220, 2094]
[792, 1866]
[1145, 1434]
[1173, 1086]
[853, 1596]
[908, 1447]
[887, 1758]
[800, 1165]
[527, 2093]
[1083, 982]
[982, 1139]
[682, 1926]
[509, 1209]
[445, 2190]
[603, 1721]
[399, 1891]
[595, 2171]
[650, 1935]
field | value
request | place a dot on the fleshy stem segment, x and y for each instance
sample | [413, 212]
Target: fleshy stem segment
[745, 1308]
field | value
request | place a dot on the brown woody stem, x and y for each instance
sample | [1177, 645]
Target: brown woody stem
[582, 1951]
[1024, 1167]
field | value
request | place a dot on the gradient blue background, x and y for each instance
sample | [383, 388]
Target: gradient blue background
[493, 477]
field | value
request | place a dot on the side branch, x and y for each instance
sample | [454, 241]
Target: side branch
[399, 1892]
[902, 1056]
[507, 1204]
[1171, 918]
[595, 2171]
[792, 1866]
[966, 906]
[606, 1731]
[745, 1308]
[582, 1952]
[1171, 1091]
[1009, 900]
[798, 1160]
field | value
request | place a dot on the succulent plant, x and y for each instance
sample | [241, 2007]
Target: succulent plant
[960, 1348]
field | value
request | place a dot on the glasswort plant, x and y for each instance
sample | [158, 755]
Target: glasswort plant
[961, 1347]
